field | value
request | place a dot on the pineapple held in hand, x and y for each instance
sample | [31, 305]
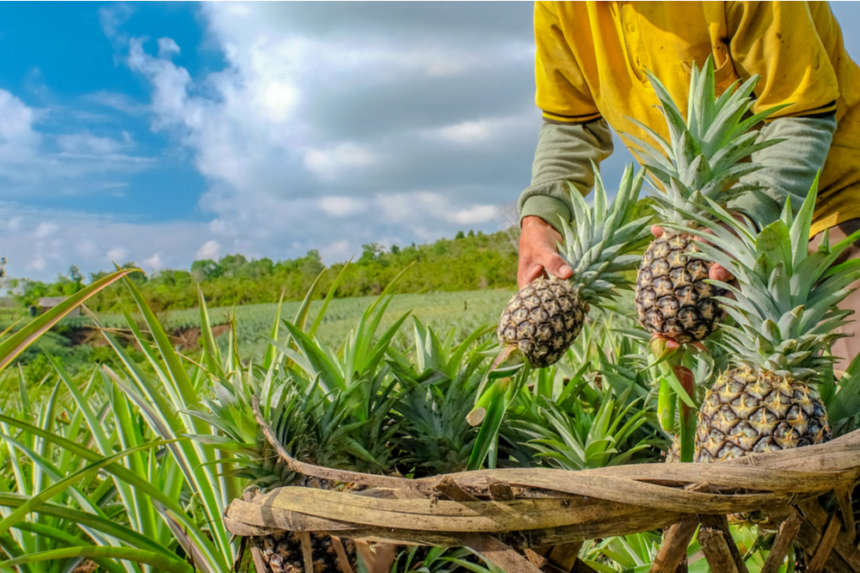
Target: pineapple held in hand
[545, 316]
[703, 159]
[786, 314]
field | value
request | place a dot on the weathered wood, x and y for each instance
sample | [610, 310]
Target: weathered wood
[809, 538]
[717, 551]
[720, 523]
[259, 565]
[843, 497]
[674, 547]
[307, 550]
[818, 519]
[342, 558]
[499, 490]
[499, 554]
[564, 555]
[785, 536]
[825, 546]
[537, 560]
[447, 486]
[581, 566]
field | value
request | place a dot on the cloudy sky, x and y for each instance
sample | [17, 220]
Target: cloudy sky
[161, 133]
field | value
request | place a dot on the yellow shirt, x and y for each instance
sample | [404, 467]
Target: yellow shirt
[591, 58]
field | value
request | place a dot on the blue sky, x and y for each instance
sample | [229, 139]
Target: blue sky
[164, 132]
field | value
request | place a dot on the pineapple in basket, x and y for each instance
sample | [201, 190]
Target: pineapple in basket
[785, 314]
[296, 420]
[703, 159]
[542, 320]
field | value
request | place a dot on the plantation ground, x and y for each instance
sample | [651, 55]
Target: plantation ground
[465, 311]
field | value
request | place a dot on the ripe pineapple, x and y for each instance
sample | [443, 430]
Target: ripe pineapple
[786, 314]
[293, 418]
[703, 158]
[545, 316]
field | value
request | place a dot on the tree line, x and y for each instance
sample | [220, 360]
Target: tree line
[470, 261]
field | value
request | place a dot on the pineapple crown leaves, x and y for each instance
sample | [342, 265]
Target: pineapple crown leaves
[705, 152]
[598, 248]
[786, 301]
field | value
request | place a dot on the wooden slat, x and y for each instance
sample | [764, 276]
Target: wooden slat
[788, 531]
[809, 538]
[720, 523]
[717, 551]
[674, 547]
[825, 546]
[342, 558]
[582, 567]
[843, 497]
[564, 555]
[500, 490]
[499, 554]
[259, 565]
[818, 518]
[307, 551]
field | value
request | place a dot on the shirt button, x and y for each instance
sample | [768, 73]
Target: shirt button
[631, 28]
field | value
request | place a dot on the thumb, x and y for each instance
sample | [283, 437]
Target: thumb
[557, 266]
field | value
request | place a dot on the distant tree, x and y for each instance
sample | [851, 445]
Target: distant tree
[395, 250]
[75, 274]
[471, 233]
[460, 235]
[205, 270]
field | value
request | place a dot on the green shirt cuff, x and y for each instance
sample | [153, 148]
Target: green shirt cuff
[758, 206]
[548, 208]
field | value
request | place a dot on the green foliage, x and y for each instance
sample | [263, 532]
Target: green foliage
[466, 263]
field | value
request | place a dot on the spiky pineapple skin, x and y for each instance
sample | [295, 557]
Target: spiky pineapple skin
[672, 298]
[750, 411]
[282, 552]
[542, 320]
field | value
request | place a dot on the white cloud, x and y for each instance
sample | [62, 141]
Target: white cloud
[153, 263]
[87, 143]
[209, 250]
[336, 252]
[167, 47]
[481, 131]
[117, 255]
[333, 162]
[45, 229]
[341, 206]
[407, 207]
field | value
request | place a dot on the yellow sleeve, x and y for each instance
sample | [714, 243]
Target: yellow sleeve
[562, 93]
[779, 41]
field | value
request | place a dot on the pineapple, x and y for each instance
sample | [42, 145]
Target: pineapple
[703, 159]
[545, 316]
[785, 315]
[294, 416]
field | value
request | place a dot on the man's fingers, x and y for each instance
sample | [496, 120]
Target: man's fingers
[718, 273]
[529, 274]
[557, 267]
[657, 231]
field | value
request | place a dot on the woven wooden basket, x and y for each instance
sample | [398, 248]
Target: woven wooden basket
[537, 519]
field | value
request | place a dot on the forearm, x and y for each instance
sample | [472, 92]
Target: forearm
[564, 153]
[789, 167]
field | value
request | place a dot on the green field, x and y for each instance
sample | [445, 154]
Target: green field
[444, 311]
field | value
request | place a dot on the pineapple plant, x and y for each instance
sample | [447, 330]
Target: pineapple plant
[704, 158]
[307, 426]
[542, 320]
[785, 314]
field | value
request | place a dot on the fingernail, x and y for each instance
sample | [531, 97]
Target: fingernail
[565, 271]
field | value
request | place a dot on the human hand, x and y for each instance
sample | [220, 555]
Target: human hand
[538, 252]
